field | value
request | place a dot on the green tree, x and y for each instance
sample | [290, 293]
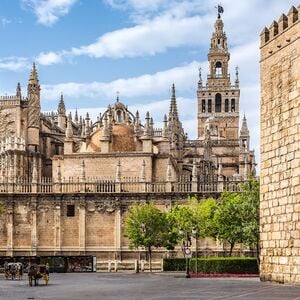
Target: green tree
[181, 218]
[250, 208]
[229, 219]
[146, 226]
[203, 216]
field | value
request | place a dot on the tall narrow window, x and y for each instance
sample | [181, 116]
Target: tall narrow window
[70, 210]
[219, 69]
[233, 105]
[218, 103]
[226, 105]
[203, 105]
[209, 106]
[119, 116]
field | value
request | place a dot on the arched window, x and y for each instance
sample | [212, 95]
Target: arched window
[203, 105]
[226, 105]
[218, 103]
[218, 69]
[119, 116]
[233, 105]
[209, 106]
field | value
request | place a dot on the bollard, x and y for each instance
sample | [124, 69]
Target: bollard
[109, 266]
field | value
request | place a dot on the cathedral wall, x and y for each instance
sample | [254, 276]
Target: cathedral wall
[105, 165]
[3, 231]
[280, 154]
[46, 224]
[100, 226]
[70, 227]
[22, 225]
[160, 166]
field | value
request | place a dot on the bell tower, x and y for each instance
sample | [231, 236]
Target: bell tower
[219, 98]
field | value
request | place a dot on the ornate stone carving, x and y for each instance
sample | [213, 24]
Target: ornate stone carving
[7, 124]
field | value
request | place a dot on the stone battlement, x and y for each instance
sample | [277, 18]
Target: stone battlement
[280, 26]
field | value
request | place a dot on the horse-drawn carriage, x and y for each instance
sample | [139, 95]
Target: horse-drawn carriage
[37, 272]
[13, 270]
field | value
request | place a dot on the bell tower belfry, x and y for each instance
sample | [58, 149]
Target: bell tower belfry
[219, 98]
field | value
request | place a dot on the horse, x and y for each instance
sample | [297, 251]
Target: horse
[36, 272]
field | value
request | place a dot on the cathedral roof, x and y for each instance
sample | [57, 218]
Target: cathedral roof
[122, 139]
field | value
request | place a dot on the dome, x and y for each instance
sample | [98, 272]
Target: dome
[122, 139]
[118, 105]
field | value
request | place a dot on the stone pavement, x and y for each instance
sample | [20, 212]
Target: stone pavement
[108, 286]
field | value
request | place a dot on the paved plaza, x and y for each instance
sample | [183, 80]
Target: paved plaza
[144, 286]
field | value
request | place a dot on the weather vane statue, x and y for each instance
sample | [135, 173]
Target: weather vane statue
[220, 10]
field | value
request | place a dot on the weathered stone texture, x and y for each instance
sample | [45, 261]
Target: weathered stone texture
[280, 162]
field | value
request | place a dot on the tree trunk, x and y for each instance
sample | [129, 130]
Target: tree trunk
[231, 249]
[150, 259]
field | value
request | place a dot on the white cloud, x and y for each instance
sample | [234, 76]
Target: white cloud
[173, 24]
[5, 21]
[49, 11]
[145, 85]
[149, 38]
[49, 58]
[13, 63]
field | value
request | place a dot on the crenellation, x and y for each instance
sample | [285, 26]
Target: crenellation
[282, 23]
[278, 27]
[273, 29]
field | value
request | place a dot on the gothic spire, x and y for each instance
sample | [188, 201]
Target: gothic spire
[18, 90]
[33, 78]
[244, 130]
[173, 105]
[76, 117]
[61, 106]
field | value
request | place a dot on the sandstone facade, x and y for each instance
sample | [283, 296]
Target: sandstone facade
[280, 149]
[67, 181]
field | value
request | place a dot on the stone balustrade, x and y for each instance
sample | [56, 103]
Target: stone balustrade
[110, 185]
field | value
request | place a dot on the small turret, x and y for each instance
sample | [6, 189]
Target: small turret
[69, 130]
[147, 129]
[165, 127]
[137, 123]
[244, 135]
[76, 117]
[61, 110]
[147, 135]
[18, 91]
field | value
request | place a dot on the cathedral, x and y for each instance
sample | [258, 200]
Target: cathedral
[66, 181]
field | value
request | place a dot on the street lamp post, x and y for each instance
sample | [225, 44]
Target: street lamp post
[186, 249]
[195, 234]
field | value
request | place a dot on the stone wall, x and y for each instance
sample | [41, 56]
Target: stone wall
[280, 150]
[40, 225]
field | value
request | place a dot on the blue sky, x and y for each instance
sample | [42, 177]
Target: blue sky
[91, 49]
